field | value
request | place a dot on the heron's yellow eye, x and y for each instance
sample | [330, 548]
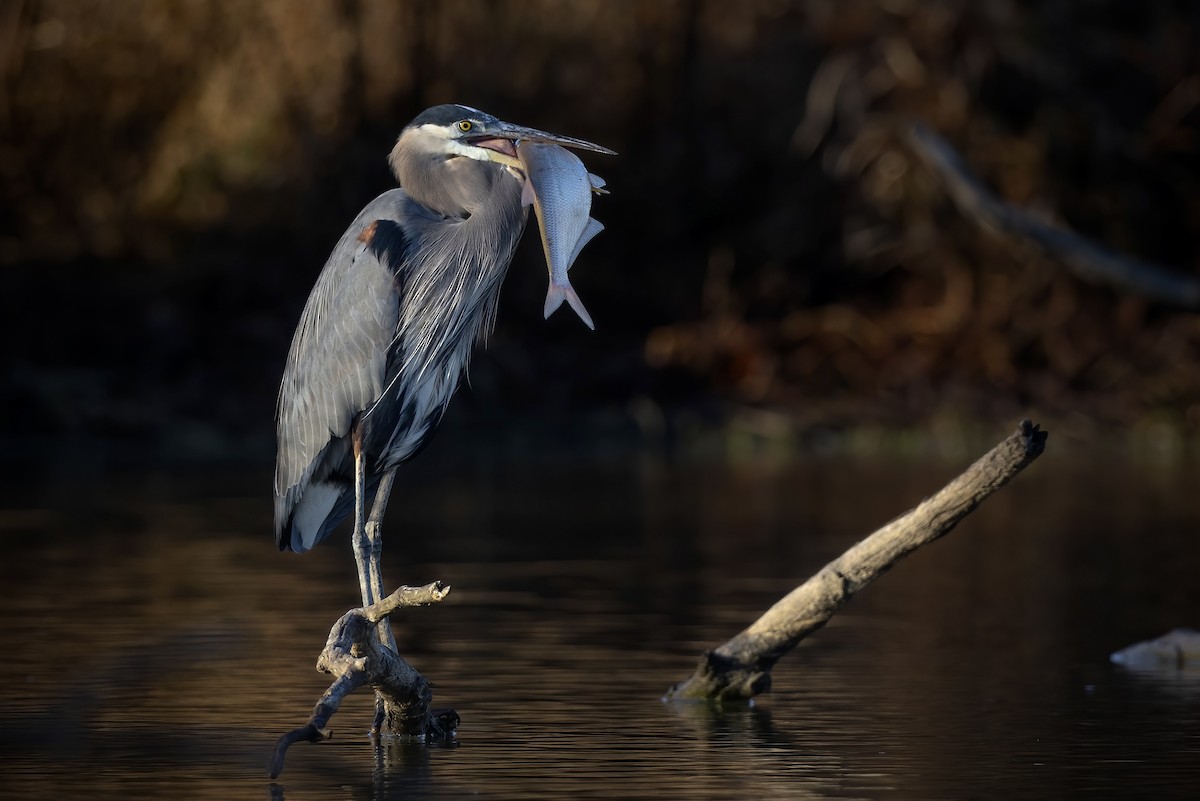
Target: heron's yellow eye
[465, 125]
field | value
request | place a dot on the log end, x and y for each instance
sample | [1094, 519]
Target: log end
[720, 678]
[1034, 438]
[308, 733]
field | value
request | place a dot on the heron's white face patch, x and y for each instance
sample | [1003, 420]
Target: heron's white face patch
[436, 131]
[441, 138]
[449, 141]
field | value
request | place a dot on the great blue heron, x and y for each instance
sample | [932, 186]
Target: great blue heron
[389, 327]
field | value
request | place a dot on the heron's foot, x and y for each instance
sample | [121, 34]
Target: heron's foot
[380, 716]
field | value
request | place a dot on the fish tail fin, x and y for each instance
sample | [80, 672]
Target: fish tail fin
[555, 296]
[577, 305]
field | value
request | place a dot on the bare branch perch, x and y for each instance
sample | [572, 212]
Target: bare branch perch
[354, 655]
[1086, 258]
[741, 667]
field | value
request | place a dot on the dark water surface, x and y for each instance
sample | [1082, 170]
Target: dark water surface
[157, 644]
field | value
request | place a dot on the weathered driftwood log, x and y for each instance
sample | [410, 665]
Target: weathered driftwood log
[741, 668]
[1087, 259]
[354, 656]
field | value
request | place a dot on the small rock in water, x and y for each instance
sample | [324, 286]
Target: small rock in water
[1179, 648]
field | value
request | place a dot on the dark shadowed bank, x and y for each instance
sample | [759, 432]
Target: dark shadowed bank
[777, 263]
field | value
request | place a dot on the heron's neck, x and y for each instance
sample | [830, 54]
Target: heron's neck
[452, 187]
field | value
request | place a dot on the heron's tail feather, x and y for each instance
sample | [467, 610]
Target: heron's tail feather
[309, 518]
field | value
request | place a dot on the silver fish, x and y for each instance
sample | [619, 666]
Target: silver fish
[560, 189]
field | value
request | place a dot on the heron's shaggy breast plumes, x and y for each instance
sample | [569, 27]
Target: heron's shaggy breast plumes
[451, 283]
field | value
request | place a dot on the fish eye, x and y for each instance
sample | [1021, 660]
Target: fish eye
[465, 125]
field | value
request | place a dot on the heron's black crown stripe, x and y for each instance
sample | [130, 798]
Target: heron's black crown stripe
[448, 114]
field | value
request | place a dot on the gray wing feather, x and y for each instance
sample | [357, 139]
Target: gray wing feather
[337, 364]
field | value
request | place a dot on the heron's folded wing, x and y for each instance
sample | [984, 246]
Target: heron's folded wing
[337, 363]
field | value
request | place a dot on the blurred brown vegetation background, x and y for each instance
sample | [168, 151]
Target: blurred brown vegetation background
[777, 260]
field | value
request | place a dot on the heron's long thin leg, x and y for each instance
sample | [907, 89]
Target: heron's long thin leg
[362, 546]
[374, 544]
[373, 535]
[370, 581]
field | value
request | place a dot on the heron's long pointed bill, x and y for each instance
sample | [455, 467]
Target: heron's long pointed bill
[519, 132]
[502, 136]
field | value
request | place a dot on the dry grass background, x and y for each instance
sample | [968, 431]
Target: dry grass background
[173, 175]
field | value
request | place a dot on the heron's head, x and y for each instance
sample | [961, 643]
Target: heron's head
[442, 140]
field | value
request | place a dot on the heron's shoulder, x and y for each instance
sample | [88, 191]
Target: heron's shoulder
[392, 203]
[382, 231]
[395, 206]
[398, 206]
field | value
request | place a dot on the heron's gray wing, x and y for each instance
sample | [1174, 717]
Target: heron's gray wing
[337, 364]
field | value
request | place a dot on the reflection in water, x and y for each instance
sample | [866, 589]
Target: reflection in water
[159, 644]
